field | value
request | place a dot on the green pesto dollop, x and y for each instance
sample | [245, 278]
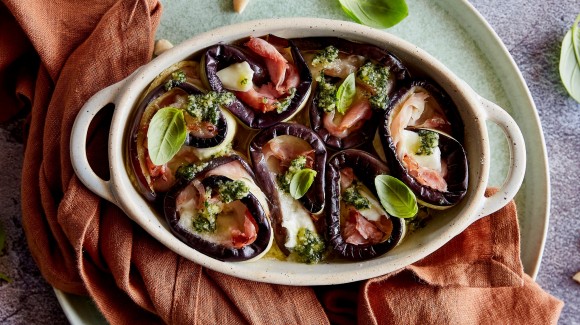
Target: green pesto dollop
[187, 172]
[353, 197]
[309, 246]
[296, 165]
[376, 77]
[205, 220]
[233, 190]
[326, 100]
[206, 107]
[282, 105]
[325, 57]
[176, 78]
[429, 141]
[229, 191]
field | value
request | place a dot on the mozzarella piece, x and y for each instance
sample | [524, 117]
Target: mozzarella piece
[237, 77]
[294, 217]
[376, 210]
[410, 142]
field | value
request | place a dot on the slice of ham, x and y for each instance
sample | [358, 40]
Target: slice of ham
[284, 149]
[409, 112]
[275, 62]
[292, 78]
[199, 129]
[248, 235]
[344, 66]
[425, 176]
[346, 178]
[419, 112]
[155, 170]
[360, 231]
[341, 126]
[258, 100]
[283, 75]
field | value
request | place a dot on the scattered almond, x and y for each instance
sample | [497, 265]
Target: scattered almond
[240, 5]
[161, 46]
[576, 277]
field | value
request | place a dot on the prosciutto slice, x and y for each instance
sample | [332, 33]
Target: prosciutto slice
[341, 126]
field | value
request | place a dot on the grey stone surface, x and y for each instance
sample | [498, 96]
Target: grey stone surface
[28, 299]
[532, 30]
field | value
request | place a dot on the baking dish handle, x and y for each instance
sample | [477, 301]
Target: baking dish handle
[78, 141]
[517, 165]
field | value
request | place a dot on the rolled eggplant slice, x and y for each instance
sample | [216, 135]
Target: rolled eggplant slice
[205, 137]
[276, 153]
[269, 77]
[218, 210]
[373, 75]
[431, 163]
[421, 137]
[358, 227]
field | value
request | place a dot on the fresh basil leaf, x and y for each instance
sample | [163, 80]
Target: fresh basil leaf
[301, 182]
[166, 134]
[570, 61]
[5, 278]
[376, 13]
[396, 197]
[345, 94]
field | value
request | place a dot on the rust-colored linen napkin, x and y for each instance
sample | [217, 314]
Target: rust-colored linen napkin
[54, 55]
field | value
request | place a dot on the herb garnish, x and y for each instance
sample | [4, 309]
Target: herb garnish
[325, 57]
[177, 77]
[396, 197]
[301, 182]
[376, 13]
[570, 61]
[353, 197]
[166, 134]
[429, 141]
[345, 94]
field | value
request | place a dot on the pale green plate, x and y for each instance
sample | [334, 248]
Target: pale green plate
[450, 30]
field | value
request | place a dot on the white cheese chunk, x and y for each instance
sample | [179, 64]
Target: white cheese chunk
[237, 77]
[410, 142]
[294, 217]
[376, 210]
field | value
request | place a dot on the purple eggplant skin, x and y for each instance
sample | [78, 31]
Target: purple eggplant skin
[365, 167]
[143, 186]
[221, 56]
[313, 200]
[449, 108]
[374, 53]
[211, 249]
[222, 130]
[457, 172]
[191, 140]
[451, 151]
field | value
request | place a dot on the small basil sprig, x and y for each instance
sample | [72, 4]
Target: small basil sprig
[570, 61]
[396, 197]
[376, 13]
[166, 134]
[301, 182]
[345, 94]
